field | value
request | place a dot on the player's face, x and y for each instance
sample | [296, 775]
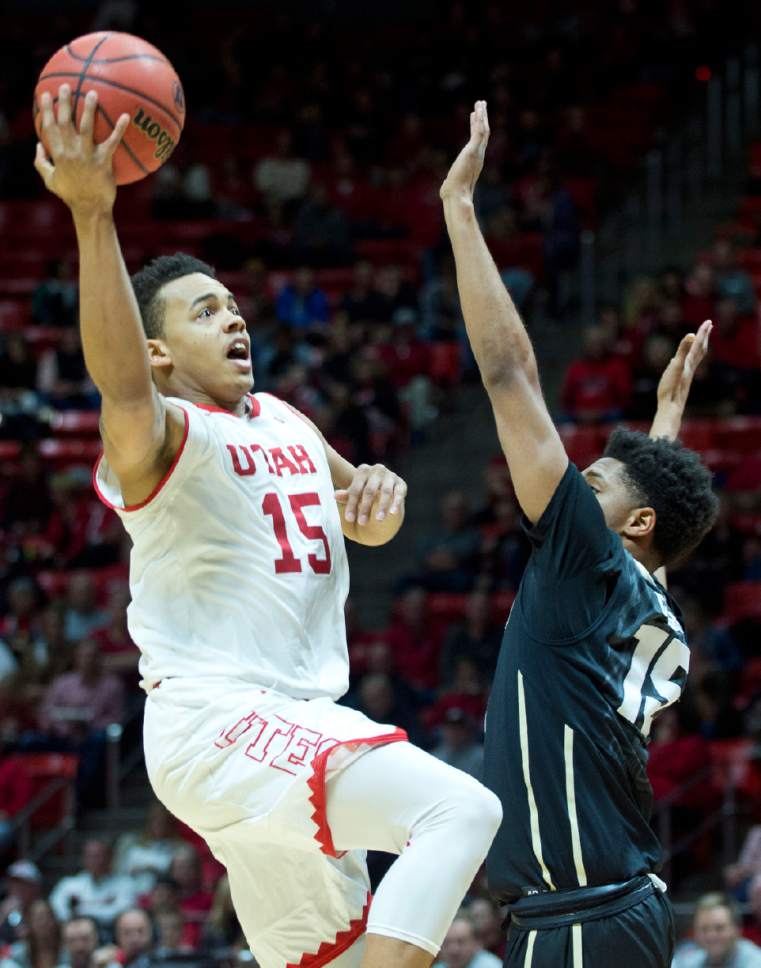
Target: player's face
[606, 480]
[205, 349]
[716, 933]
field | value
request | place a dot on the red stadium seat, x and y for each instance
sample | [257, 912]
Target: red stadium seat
[699, 435]
[733, 763]
[583, 444]
[445, 363]
[742, 600]
[64, 452]
[502, 602]
[42, 768]
[14, 313]
[75, 422]
[446, 606]
[741, 434]
[10, 449]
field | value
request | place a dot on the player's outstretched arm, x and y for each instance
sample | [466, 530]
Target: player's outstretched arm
[535, 454]
[80, 173]
[674, 385]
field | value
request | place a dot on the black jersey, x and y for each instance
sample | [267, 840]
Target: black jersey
[592, 651]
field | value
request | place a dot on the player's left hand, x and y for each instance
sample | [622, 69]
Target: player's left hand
[674, 385]
[374, 488]
[463, 175]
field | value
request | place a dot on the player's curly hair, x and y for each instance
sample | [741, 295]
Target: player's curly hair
[666, 476]
[157, 273]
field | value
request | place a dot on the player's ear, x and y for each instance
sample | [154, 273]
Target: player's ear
[640, 523]
[158, 353]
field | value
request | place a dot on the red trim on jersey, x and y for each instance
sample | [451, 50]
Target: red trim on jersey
[330, 950]
[256, 408]
[157, 488]
[316, 784]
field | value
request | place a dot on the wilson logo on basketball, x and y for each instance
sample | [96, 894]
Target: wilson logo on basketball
[153, 130]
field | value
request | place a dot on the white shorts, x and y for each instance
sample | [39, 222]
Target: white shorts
[246, 768]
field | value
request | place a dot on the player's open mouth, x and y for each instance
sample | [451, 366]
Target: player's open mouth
[238, 351]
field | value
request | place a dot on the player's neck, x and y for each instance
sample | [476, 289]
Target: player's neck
[239, 407]
[645, 556]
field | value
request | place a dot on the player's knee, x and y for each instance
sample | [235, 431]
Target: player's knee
[478, 812]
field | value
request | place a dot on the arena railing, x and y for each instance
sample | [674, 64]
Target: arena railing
[673, 184]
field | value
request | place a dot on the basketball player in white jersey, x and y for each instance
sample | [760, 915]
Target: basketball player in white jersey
[236, 506]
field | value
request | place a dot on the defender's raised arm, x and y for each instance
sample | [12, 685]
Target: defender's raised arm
[80, 173]
[535, 454]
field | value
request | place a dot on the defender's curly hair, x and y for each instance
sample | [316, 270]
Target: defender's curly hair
[671, 479]
[148, 281]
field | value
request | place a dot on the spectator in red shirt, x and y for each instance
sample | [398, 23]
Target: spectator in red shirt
[415, 641]
[735, 341]
[597, 386]
[15, 793]
[119, 653]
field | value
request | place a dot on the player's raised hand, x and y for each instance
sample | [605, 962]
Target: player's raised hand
[375, 490]
[674, 385]
[463, 175]
[78, 171]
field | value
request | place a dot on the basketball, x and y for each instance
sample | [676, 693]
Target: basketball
[130, 76]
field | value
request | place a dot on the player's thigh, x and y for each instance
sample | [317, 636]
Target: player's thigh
[376, 801]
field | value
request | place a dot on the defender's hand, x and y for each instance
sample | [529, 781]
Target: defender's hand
[463, 175]
[371, 485]
[78, 171]
[674, 385]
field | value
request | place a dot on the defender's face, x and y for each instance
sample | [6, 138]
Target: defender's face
[205, 340]
[606, 480]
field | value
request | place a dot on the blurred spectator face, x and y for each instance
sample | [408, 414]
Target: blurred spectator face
[133, 933]
[666, 726]
[486, 922]
[22, 597]
[455, 730]
[671, 315]
[723, 255]
[380, 658]
[412, 607]
[169, 925]
[159, 823]
[53, 629]
[377, 696]
[454, 510]
[81, 594]
[96, 858]
[87, 658]
[595, 343]
[118, 600]
[303, 280]
[460, 945]
[671, 284]
[363, 275]
[701, 279]
[716, 933]
[165, 895]
[497, 479]
[389, 280]
[466, 676]
[186, 869]
[726, 314]
[478, 608]
[283, 144]
[80, 938]
[658, 351]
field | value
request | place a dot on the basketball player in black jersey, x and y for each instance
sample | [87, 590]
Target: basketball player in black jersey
[594, 646]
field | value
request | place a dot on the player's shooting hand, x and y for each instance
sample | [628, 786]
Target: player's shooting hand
[78, 171]
[463, 175]
[674, 385]
[375, 491]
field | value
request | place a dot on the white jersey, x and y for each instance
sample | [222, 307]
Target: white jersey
[238, 566]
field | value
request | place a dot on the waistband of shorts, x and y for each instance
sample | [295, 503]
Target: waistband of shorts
[554, 909]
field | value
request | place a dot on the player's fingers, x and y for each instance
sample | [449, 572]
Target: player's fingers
[87, 123]
[369, 493]
[385, 494]
[354, 492]
[113, 141]
[64, 109]
[49, 126]
[400, 493]
[42, 163]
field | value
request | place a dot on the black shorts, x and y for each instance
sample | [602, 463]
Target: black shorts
[640, 936]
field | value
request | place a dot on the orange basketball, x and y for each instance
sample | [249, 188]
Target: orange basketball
[131, 76]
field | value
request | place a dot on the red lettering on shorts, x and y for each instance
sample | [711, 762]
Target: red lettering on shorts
[304, 741]
[227, 738]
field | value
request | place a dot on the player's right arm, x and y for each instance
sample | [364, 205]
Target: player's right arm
[502, 348]
[140, 433]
